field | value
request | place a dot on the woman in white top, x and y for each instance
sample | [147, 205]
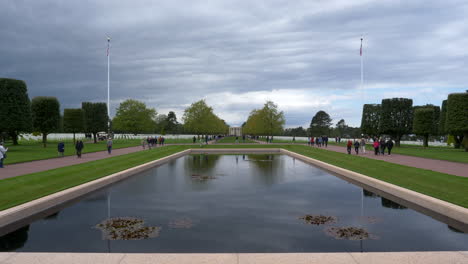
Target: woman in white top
[3, 150]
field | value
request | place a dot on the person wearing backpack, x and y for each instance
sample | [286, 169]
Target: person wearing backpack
[3, 151]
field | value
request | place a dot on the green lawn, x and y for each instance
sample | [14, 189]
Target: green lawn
[34, 150]
[233, 140]
[17, 190]
[440, 153]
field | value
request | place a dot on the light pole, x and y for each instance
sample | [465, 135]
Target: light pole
[108, 86]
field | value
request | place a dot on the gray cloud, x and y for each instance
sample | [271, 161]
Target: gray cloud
[169, 53]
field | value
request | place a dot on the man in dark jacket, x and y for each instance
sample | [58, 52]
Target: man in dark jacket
[79, 147]
[389, 146]
[61, 148]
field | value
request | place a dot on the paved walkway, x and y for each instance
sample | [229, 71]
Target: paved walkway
[449, 167]
[454, 168]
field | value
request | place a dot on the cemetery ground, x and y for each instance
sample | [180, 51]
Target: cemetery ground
[30, 150]
[21, 189]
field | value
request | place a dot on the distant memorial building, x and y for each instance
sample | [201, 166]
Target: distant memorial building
[235, 131]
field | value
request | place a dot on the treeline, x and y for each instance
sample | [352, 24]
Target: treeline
[397, 117]
[42, 115]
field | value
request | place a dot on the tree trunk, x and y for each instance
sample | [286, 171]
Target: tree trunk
[426, 141]
[94, 136]
[397, 141]
[14, 137]
[44, 139]
[74, 142]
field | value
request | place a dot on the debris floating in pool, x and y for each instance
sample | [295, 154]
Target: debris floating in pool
[126, 228]
[199, 177]
[181, 223]
[350, 233]
[318, 219]
[370, 219]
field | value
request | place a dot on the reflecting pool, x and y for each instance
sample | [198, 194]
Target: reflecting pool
[235, 203]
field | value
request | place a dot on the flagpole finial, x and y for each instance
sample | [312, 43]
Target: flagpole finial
[108, 39]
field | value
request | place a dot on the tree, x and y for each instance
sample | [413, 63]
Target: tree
[442, 119]
[341, 127]
[457, 117]
[45, 115]
[15, 110]
[265, 121]
[95, 117]
[425, 122]
[133, 116]
[320, 124]
[73, 121]
[370, 119]
[396, 117]
[298, 132]
[172, 123]
[199, 119]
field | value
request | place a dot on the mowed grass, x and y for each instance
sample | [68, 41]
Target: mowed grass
[34, 150]
[21, 189]
[228, 140]
[440, 153]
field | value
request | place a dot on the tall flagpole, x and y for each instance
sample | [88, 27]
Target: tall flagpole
[108, 84]
[362, 68]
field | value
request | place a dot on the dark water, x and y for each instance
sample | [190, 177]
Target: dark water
[252, 205]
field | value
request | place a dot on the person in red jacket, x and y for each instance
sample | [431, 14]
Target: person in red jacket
[349, 145]
[376, 147]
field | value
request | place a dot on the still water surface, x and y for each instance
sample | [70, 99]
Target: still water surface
[249, 203]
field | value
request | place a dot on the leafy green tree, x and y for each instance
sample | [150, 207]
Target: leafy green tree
[73, 121]
[443, 119]
[370, 119]
[457, 117]
[133, 116]
[45, 115]
[95, 118]
[15, 108]
[172, 124]
[425, 122]
[396, 117]
[199, 119]
[341, 127]
[320, 124]
[297, 131]
[267, 121]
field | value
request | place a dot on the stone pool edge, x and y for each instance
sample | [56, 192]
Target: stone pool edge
[17, 213]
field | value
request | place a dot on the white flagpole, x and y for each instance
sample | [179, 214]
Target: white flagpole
[108, 83]
[362, 70]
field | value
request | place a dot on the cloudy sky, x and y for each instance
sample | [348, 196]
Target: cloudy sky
[303, 55]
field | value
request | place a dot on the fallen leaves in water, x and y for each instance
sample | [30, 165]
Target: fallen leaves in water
[350, 233]
[127, 228]
[318, 219]
[370, 219]
[181, 223]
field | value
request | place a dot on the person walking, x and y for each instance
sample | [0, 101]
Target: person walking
[382, 146]
[79, 147]
[325, 141]
[61, 149]
[349, 145]
[294, 139]
[143, 143]
[237, 139]
[356, 147]
[109, 146]
[312, 142]
[3, 151]
[194, 139]
[243, 138]
[363, 145]
[389, 146]
[376, 147]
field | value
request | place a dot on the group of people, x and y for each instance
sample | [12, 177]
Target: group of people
[318, 141]
[79, 146]
[379, 145]
[152, 142]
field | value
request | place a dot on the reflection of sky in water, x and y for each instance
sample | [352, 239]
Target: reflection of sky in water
[253, 205]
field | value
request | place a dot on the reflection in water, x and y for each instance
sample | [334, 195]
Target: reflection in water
[369, 194]
[14, 240]
[451, 228]
[391, 204]
[201, 164]
[268, 168]
[53, 216]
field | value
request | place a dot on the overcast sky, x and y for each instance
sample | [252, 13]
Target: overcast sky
[303, 55]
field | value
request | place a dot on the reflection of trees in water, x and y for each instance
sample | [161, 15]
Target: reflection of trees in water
[369, 194]
[268, 167]
[391, 204]
[14, 240]
[202, 164]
